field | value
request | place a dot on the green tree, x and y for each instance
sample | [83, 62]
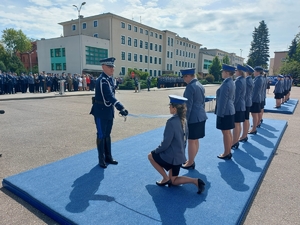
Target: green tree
[15, 41]
[215, 68]
[259, 51]
[292, 49]
[226, 60]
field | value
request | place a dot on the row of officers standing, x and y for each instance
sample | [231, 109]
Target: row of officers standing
[236, 99]
[11, 83]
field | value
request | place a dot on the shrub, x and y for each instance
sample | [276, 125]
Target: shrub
[210, 78]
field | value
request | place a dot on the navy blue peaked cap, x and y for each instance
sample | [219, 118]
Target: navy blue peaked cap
[190, 71]
[176, 99]
[258, 68]
[228, 68]
[250, 69]
[242, 68]
[108, 61]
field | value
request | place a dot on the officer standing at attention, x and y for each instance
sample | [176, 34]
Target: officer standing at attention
[256, 98]
[103, 111]
[195, 114]
[225, 109]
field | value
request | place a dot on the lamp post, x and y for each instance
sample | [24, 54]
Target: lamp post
[241, 52]
[79, 34]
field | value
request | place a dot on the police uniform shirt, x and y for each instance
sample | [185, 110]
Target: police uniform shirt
[195, 93]
[225, 98]
[240, 92]
[257, 89]
[249, 89]
[105, 100]
[277, 88]
[172, 148]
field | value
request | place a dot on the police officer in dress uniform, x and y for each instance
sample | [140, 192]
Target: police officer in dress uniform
[103, 111]
[239, 104]
[225, 110]
[278, 91]
[195, 115]
[256, 98]
[248, 102]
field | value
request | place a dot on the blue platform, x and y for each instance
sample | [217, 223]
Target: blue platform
[286, 108]
[77, 191]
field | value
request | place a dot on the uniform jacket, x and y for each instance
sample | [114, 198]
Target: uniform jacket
[225, 98]
[103, 106]
[257, 89]
[172, 148]
[249, 89]
[264, 88]
[240, 92]
[278, 87]
[195, 93]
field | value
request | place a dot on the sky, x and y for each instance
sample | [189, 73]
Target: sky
[225, 25]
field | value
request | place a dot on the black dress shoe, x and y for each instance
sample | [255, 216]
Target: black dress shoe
[226, 157]
[103, 165]
[235, 146]
[169, 183]
[253, 132]
[189, 167]
[244, 139]
[201, 185]
[114, 162]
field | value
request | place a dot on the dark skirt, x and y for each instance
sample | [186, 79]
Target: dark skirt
[239, 116]
[256, 107]
[247, 113]
[225, 123]
[165, 165]
[196, 130]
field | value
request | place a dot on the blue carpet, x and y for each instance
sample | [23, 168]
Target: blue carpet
[76, 191]
[286, 108]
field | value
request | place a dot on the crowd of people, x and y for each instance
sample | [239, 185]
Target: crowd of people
[11, 83]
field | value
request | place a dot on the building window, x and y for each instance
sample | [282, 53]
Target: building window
[150, 59]
[129, 26]
[146, 45]
[123, 55]
[171, 56]
[151, 34]
[73, 26]
[159, 73]
[94, 55]
[135, 29]
[168, 54]
[58, 66]
[63, 50]
[160, 36]
[150, 72]
[146, 59]
[141, 30]
[135, 57]
[129, 41]
[155, 47]
[176, 51]
[167, 66]
[146, 32]
[123, 40]
[122, 25]
[141, 44]
[95, 35]
[176, 63]
[151, 46]
[51, 53]
[64, 66]
[52, 66]
[168, 41]
[129, 56]
[57, 52]
[171, 41]
[159, 61]
[135, 41]
[141, 58]
[156, 35]
[123, 70]
[155, 73]
[159, 48]
[155, 60]
[95, 23]
[83, 26]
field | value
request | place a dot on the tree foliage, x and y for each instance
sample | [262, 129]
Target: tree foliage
[292, 49]
[15, 41]
[215, 68]
[226, 59]
[259, 51]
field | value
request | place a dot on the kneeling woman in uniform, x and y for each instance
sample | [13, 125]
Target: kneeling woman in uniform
[170, 154]
[225, 109]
